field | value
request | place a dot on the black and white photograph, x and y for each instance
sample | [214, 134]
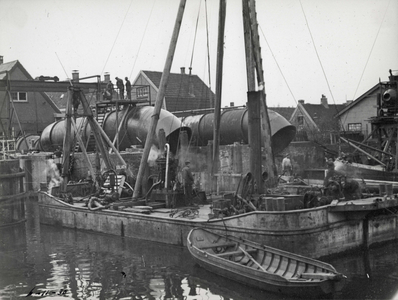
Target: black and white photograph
[199, 149]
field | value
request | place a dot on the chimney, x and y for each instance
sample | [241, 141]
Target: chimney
[324, 101]
[107, 77]
[75, 75]
[231, 104]
[1, 59]
[182, 70]
[190, 71]
[301, 101]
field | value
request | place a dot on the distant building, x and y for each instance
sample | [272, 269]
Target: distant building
[183, 91]
[356, 115]
[28, 112]
[316, 121]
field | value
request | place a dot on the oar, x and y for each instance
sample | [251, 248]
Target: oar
[252, 259]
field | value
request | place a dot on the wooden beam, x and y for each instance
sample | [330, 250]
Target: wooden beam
[44, 86]
[219, 73]
[159, 99]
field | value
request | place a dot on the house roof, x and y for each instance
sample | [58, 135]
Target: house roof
[11, 66]
[358, 100]
[316, 111]
[183, 92]
[285, 112]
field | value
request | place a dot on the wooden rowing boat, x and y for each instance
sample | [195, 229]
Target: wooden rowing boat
[262, 266]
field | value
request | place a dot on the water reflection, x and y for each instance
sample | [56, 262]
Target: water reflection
[87, 265]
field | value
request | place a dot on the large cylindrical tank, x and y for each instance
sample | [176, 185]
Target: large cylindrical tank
[53, 135]
[28, 142]
[234, 126]
[133, 129]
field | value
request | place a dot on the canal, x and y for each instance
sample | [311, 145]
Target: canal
[45, 262]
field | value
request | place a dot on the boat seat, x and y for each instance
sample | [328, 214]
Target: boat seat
[237, 252]
[217, 245]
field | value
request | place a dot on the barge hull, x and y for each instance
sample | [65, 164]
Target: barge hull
[314, 232]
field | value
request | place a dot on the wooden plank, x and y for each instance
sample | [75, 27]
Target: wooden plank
[326, 276]
[217, 245]
[234, 253]
[252, 259]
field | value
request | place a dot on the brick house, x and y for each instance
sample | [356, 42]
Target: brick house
[316, 121]
[28, 112]
[183, 91]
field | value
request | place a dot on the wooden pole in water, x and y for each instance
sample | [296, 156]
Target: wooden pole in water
[159, 99]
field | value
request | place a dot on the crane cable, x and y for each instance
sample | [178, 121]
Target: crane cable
[280, 70]
[142, 38]
[208, 55]
[194, 39]
[117, 35]
[316, 51]
[371, 50]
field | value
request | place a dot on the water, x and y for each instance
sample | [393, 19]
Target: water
[45, 262]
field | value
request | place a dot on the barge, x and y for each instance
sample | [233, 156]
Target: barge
[314, 232]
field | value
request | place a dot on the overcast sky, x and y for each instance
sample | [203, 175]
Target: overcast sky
[356, 43]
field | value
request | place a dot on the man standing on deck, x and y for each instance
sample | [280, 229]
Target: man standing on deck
[109, 91]
[287, 166]
[188, 180]
[128, 88]
[330, 172]
[120, 86]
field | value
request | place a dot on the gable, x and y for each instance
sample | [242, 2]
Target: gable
[370, 93]
[183, 91]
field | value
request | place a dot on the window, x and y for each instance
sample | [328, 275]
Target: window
[355, 127]
[300, 120]
[19, 96]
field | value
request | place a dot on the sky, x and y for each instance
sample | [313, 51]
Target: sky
[339, 48]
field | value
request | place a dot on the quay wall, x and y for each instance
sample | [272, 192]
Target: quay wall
[12, 193]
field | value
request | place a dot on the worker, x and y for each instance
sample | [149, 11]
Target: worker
[287, 166]
[120, 86]
[128, 88]
[329, 172]
[187, 180]
[109, 91]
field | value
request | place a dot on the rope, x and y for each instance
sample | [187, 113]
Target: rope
[208, 52]
[142, 38]
[316, 51]
[196, 30]
[117, 35]
[371, 50]
[280, 70]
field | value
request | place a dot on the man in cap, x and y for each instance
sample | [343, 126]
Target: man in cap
[188, 180]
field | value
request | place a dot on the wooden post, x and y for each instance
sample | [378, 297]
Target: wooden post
[265, 123]
[253, 109]
[67, 140]
[83, 147]
[159, 99]
[217, 106]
